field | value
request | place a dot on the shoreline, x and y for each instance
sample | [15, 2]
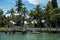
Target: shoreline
[36, 30]
[33, 32]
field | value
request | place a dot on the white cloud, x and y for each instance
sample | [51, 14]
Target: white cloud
[35, 2]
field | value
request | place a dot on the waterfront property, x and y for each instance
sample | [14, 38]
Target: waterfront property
[29, 20]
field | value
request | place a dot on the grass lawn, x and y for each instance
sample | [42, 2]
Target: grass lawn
[33, 28]
[42, 29]
[2, 29]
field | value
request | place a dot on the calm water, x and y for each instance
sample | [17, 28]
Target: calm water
[18, 36]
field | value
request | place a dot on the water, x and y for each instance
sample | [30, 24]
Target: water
[19, 36]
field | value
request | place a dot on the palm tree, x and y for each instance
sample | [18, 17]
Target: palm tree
[32, 16]
[51, 10]
[3, 22]
[8, 20]
[56, 13]
[24, 14]
[1, 15]
[25, 11]
[12, 12]
[19, 5]
[31, 13]
[38, 15]
[55, 5]
[48, 11]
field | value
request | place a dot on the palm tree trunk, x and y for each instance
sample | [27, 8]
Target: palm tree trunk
[50, 28]
[56, 25]
[0, 21]
[23, 20]
[47, 29]
[8, 23]
[19, 19]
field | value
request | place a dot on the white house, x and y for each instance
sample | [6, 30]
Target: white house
[34, 22]
[12, 22]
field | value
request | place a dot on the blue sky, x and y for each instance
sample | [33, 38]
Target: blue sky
[30, 4]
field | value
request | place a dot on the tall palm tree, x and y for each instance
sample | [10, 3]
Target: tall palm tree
[12, 12]
[19, 5]
[48, 11]
[32, 16]
[51, 6]
[24, 14]
[38, 15]
[56, 13]
[25, 11]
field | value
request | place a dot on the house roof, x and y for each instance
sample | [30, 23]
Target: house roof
[12, 22]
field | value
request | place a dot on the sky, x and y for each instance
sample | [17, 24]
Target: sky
[30, 4]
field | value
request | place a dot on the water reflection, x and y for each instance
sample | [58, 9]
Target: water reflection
[19, 36]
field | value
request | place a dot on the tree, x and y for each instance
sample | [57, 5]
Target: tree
[51, 12]
[11, 17]
[38, 11]
[25, 11]
[48, 11]
[54, 4]
[12, 12]
[1, 15]
[19, 5]
[56, 13]
[36, 14]
[32, 14]
[8, 18]
[4, 21]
